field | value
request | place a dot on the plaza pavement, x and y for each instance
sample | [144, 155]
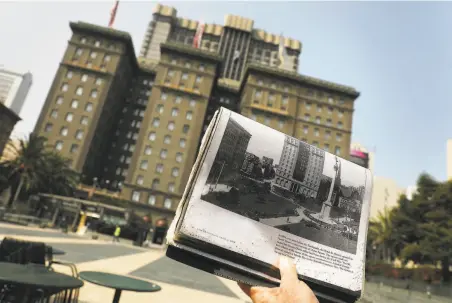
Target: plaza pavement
[180, 283]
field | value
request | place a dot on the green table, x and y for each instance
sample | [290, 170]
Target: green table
[31, 276]
[118, 283]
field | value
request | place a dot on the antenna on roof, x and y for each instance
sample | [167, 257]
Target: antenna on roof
[113, 13]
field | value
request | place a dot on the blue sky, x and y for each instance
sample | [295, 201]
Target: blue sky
[396, 54]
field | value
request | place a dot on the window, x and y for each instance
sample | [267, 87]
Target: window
[308, 105]
[319, 108]
[327, 134]
[141, 114]
[167, 203]
[338, 137]
[317, 120]
[286, 89]
[273, 85]
[266, 120]
[74, 148]
[175, 172]
[59, 145]
[48, 127]
[69, 117]
[179, 157]
[170, 73]
[327, 147]
[315, 143]
[167, 139]
[163, 96]
[89, 107]
[99, 81]
[284, 102]
[54, 113]
[253, 117]
[64, 130]
[182, 143]
[337, 150]
[135, 136]
[171, 126]
[341, 101]
[189, 115]
[178, 100]
[132, 148]
[185, 129]
[59, 100]
[64, 87]
[163, 153]
[281, 123]
[330, 110]
[341, 113]
[159, 168]
[140, 180]
[152, 136]
[202, 67]
[156, 122]
[93, 55]
[258, 93]
[136, 196]
[339, 124]
[148, 150]
[330, 99]
[107, 58]
[79, 134]
[192, 103]
[93, 93]
[260, 82]
[84, 78]
[316, 132]
[78, 52]
[144, 165]
[74, 104]
[307, 117]
[171, 187]
[84, 120]
[184, 76]
[69, 75]
[159, 108]
[174, 112]
[328, 122]
[151, 200]
[305, 129]
[155, 183]
[198, 79]
[79, 91]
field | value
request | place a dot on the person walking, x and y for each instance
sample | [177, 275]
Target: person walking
[116, 234]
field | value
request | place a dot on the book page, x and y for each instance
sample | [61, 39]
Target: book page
[262, 193]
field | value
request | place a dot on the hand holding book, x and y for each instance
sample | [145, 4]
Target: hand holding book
[291, 290]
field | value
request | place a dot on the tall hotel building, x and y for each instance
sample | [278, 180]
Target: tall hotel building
[135, 124]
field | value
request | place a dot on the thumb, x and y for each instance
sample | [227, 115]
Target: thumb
[289, 275]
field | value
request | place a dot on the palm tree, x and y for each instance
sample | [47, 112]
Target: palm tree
[382, 234]
[34, 168]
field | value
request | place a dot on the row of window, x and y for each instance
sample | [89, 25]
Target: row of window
[79, 90]
[59, 146]
[84, 78]
[156, 183]
[92, 55]
[167, 139]
[144, 165]
[70, 116]
[163, 153]
[309, 92]
[327, 133]
[136, 195]
[326, 147]
[188, 64]
[177, 100]
[318, 120]
[97, 43]
[184, 76]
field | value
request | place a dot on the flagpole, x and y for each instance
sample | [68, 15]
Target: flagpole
[113, 13]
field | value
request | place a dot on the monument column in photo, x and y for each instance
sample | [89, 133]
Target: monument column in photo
[326, 207]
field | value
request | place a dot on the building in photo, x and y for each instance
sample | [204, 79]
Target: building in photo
[134, 125]
[300, 168]
[14, 88]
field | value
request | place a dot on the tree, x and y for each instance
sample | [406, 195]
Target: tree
[34, 168]
[382, 235]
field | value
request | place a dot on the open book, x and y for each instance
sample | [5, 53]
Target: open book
[255, 193]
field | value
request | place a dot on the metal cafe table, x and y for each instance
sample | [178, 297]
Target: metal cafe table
[118, 283]
[31, 277]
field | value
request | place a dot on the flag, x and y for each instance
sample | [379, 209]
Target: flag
[236, 55]
[282, 50]
[113, 13]
[198, 35]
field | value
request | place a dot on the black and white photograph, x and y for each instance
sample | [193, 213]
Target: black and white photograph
[288, 184]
